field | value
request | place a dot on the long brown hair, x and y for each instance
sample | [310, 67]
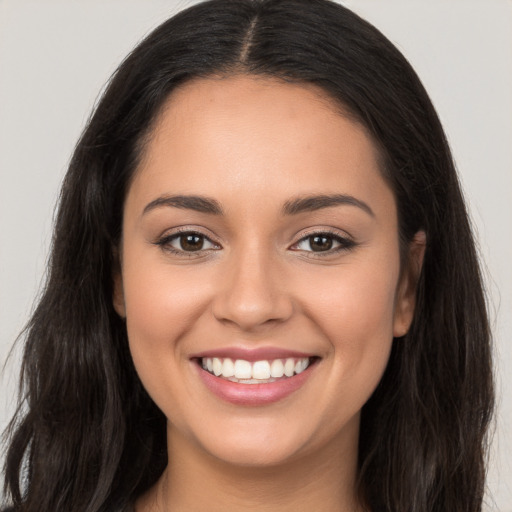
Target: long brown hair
[87, 437]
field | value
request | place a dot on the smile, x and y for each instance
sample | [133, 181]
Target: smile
[254, 378]
[257, 372]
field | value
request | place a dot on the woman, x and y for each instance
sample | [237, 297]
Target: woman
[263, 290]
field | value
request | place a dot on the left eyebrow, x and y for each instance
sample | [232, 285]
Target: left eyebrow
[313, 203]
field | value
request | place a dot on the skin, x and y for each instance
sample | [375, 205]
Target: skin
[252, 144]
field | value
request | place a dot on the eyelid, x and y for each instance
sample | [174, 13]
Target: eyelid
[345, 241]
[179, 230]
[164, 240]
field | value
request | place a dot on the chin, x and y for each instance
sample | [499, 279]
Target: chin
[259, 445]
[254, 456]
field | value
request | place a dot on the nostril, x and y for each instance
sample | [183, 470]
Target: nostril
[251, 313]
[252, 293]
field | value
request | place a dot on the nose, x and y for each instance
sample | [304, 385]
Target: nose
[253, 293]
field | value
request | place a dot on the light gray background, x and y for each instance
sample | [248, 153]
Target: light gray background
[56, 55]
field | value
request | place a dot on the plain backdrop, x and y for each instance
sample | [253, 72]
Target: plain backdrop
[55, 57]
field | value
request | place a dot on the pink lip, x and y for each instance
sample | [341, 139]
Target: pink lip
[253, 354]
[253, 394]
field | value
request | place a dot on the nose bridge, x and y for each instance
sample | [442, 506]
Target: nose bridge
[252, 292]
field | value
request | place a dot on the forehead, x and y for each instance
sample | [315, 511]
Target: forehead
[229, 136]
[232, 92]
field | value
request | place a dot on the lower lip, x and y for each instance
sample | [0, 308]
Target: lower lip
[254, 394]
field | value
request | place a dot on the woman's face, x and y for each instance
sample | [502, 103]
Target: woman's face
[259, 237]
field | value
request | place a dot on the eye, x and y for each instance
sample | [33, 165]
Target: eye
[324, 242]
[186, 242]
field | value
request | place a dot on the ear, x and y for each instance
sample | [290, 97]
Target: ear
[405, 302]
[118, 289]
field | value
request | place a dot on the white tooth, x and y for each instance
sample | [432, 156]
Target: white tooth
[261, 370]
[209, 364]
[203, 363]
[243, 369]
[301, 365]
[277, 368]
[289, 366]
[217, 366]
[228, 368]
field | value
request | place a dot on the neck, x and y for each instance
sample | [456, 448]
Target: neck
[323, 481]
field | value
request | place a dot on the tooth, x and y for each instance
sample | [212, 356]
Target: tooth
[289, 367]
[301, 365]
[217, 366]
[228, 368]
[254, 372]
[243, 369]
[277, 368]
[261, 370]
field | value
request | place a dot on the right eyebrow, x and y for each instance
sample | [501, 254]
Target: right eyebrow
[201, 204]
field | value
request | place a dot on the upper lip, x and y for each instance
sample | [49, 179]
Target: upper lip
[252, 354]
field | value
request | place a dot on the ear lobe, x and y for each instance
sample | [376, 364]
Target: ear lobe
[405, 302]
[118, 289]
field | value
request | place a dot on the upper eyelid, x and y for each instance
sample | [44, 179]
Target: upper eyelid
[175, 232]
[181, 230]
[328, 233]
[344, 241]
[167, 239]
[164, 243]
[337, 233]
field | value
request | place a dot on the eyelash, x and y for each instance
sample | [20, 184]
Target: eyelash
[345, 243]
[165, 243]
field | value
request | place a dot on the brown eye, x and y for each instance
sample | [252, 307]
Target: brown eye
[186, 242]
[320, 243]
[324, 242]
[191, 242]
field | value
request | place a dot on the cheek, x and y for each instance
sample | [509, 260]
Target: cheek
[163, 305]
[354, 300]
[370, 303]
[159, 300]
[356, 316]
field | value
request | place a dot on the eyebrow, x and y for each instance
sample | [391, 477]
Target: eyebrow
[295, 206]
[198, 203]
[313, 203]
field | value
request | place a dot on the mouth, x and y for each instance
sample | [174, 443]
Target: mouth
[254, 381]
[256, 372]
